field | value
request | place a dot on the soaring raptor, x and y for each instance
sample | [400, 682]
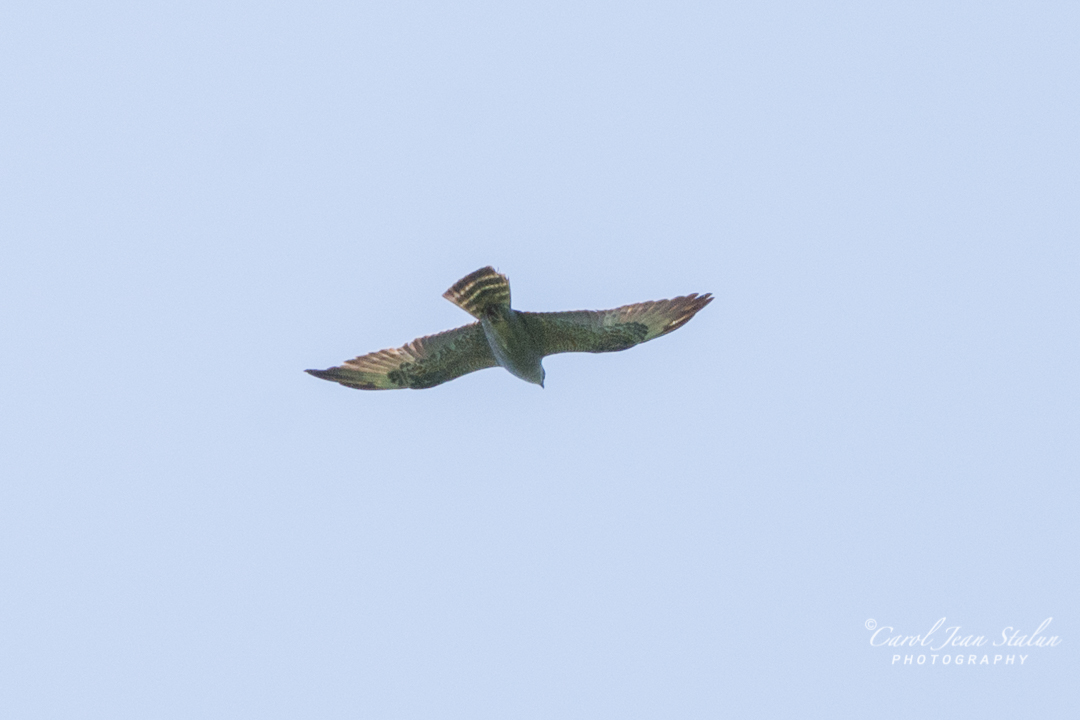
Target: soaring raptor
[515, 340]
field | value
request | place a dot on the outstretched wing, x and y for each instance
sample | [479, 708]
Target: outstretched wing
[423, 363]
[610, 330]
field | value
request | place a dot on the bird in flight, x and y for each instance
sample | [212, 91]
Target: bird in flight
[509, 338]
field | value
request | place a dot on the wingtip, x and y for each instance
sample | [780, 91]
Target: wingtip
[687, 306]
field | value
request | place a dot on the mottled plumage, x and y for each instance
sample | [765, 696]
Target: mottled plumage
[517, 341]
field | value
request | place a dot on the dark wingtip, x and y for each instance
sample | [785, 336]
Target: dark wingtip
[699, 301]
[335, 375]
[690, 305]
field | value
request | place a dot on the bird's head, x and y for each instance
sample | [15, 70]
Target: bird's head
[535, 375]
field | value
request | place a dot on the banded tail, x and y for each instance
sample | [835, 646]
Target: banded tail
[478, 291]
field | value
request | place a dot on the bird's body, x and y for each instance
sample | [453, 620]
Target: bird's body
[502, 336]
[513, 346]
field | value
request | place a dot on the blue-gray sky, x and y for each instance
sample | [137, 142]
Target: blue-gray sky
[877, 418]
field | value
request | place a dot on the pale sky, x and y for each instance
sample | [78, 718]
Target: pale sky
[873, 425]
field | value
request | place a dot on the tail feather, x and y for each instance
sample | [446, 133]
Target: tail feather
[479, 291]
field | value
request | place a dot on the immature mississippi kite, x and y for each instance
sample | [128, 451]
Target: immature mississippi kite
[515, 340]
